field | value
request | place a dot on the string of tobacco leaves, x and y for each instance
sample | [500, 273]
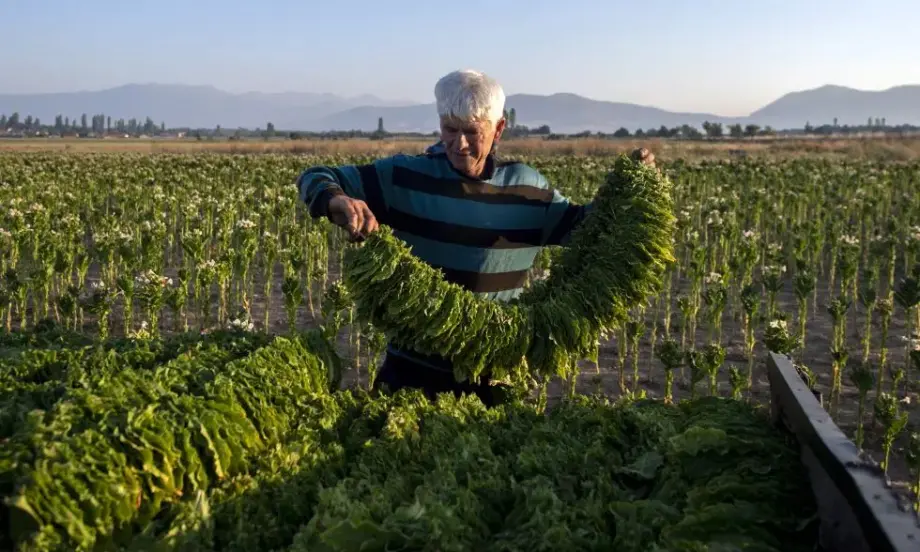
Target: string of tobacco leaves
[615, 259]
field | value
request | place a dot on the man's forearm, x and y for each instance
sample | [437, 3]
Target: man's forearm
[571, 218]
[317, 186]
[320, 205]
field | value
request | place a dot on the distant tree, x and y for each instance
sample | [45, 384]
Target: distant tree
[621, 132]
[269, 129]
[808, 128]
[768, 131]
[3, 122]
[651, 133]
[639, 133]
[751, 130]
[380, 129]
[713, 130]
[13, 121]
[689, 132]
[513, 118]
[108, 123]
[735, 130]
[663, 132]
[58, 123]
[83, 122]
[883, 123]
[28, 122]
[66, 122]
[835, 122]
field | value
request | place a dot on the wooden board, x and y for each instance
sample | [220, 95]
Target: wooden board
[858, 511]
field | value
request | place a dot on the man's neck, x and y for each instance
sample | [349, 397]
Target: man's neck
[485, 172]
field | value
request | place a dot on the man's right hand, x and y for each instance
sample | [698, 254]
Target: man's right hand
[353, 215]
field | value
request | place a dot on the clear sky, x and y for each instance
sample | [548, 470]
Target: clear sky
[727, 57]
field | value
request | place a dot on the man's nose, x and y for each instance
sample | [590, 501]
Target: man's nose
[462, 142]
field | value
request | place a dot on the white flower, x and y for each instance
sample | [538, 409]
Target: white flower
[749, 235]
[244, 325]
[914, 342]
[778, 324]
[714, 278]
[849, 240]
[245, 224]
[774, 270]
[914, 234]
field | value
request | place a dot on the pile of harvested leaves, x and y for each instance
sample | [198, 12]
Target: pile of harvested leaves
[237, 443]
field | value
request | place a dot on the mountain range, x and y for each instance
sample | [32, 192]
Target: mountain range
[207, 107]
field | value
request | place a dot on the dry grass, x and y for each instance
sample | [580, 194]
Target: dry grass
[877, 148]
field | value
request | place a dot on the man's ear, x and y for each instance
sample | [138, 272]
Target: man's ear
[499, 128]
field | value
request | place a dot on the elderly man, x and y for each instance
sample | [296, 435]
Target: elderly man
[480, 219]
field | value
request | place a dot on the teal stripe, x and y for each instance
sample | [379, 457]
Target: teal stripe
[473, 259]
[437, 168]
[466, 212]
[353, 185]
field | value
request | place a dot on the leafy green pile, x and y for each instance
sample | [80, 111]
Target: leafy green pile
[613, 262]
[95, 442]
[240, 443]
[450, 475]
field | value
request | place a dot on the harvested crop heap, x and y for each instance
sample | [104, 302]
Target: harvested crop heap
[612, 263]
[235, 442]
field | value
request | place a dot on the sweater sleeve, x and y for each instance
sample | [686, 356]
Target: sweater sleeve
[562, 217]
[317, 185]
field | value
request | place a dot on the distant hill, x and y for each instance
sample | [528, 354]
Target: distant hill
[207, 107]
[564, 113]
[898, 105]
[184, 105]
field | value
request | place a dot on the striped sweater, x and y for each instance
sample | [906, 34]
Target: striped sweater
[483, 234]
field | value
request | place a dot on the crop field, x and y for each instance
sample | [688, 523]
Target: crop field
[182, 367]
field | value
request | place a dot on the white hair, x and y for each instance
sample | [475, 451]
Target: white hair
[470, 95]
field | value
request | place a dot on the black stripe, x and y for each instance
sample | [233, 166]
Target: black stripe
[448, 232]
[484, 282]
[570, 218]
[370, 180]
[472, 190]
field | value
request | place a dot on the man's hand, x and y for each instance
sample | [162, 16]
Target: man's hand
[353, 215]
[645, 156]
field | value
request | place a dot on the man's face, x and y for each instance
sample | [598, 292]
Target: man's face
[468, 143]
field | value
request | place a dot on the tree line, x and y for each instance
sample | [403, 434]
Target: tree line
[101, 124]
[86, 124]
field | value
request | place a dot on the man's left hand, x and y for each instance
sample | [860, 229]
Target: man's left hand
[644, 156]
